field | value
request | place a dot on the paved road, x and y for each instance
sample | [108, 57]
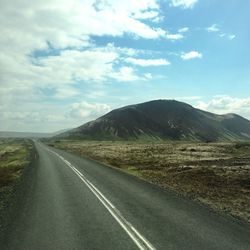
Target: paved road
[75, 203]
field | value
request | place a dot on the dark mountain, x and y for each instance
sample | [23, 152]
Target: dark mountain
[163, 120]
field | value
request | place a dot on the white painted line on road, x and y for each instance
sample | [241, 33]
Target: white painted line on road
[141, 242]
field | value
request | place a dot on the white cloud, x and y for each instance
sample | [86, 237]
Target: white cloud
[151, 15]
[147, 62]
[231, 37]
[73, 65]
[32, 116]
[148, 76]
[213, 28]
[47, 51]
[65, 92]
[228, 36]
[191, 55]
[183, 30]
[174, 36]
[60, 72]
[125, 74]
[86, 111]
[28, 28]
[47, 118]
[63, 23]
[227, 104]
[158, 19]
[183, 3]
[146, 15]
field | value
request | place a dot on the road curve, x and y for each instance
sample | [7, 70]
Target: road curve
[76, 203]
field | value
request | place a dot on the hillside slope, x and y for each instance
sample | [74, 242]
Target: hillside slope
[163, 120]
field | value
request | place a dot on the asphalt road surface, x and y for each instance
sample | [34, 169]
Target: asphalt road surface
[76, 203]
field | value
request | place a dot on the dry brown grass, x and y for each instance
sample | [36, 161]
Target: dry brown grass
[14, 156]
[217, 174]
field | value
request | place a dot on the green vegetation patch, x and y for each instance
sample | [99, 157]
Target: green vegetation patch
[15, 154]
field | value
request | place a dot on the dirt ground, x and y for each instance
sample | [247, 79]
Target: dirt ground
[217, 174]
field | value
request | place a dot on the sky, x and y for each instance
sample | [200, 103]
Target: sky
[64, 63]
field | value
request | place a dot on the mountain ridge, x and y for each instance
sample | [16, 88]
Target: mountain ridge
[163, 120]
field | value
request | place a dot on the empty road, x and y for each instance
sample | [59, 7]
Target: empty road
[76, 203]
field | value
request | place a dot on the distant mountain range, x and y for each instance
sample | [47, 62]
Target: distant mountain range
[163, 120]
[13, 134]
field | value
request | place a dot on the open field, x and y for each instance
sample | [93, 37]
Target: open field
[15, 155]
[217, 174]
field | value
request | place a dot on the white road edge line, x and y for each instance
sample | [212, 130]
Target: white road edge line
[138, 239]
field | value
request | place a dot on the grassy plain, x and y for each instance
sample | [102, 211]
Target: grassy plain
[216, 174]
[14, 156]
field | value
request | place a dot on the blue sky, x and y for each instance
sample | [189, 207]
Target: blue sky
[65, 63]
